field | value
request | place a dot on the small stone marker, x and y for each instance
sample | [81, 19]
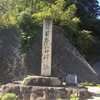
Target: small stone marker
[46, 48]
[71, 79]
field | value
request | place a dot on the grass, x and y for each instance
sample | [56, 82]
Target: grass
[74, 98]
[90, 85]
[87, 84]
[98, 85]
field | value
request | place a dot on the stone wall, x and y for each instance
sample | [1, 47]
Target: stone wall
[44, 93]
[11, 67]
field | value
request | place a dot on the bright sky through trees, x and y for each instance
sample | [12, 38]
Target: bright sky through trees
[99, 2]
[99, 5]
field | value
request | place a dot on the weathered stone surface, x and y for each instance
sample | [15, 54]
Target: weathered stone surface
[43, 93]
[11, 67]
[46, 48]
[41, 81]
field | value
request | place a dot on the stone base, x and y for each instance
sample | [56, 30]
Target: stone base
[44, 93]
[43, 88]
[41, 81]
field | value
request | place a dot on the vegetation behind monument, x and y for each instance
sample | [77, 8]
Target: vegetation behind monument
[28, 15]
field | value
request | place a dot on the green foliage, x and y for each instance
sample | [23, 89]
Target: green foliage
[8, 96]
[55, 11]
[74, 98]
[88, 11]
[29, 22]
[10, 9]
[7, 12]
[29, 29]
[86, 84]
[26, 80]
[85, 40]
[82, 39]
[28, 16]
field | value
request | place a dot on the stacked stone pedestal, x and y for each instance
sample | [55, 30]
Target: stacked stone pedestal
[44, 93]
[31, 90]
[41, 81]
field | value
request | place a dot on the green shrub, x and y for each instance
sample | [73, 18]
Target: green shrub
[8, 96]
[26, 80]
[0, 97]
[29, 29]
[74, 97]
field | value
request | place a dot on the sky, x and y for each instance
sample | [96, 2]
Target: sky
[99, 5]
[99, 2]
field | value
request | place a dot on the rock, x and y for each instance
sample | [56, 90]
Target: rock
[17, 82]
[42, 92]
[10, 88]
[11, 67]
[84, 94]
[41, 81]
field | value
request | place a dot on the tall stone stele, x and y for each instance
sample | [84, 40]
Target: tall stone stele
[46, 47]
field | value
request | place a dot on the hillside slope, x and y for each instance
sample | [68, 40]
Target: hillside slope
[66, 58]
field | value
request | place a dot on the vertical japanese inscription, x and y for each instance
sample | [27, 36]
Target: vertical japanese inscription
[46, 48]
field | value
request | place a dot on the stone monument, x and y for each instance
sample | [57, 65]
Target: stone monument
[46, 60]
[45, 79]
[46, 48]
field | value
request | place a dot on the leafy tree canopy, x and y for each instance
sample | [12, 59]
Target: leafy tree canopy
[27, 15]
